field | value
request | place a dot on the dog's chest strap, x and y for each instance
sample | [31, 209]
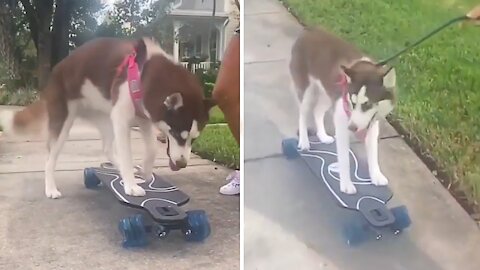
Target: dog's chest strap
[134, 84]
[343, 83]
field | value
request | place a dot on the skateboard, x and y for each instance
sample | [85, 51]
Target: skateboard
[162, 202]
[370, 200]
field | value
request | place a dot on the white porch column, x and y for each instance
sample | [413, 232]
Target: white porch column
[220, 40]
[176, 32]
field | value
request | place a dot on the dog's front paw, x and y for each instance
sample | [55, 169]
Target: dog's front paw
[53, 193]
[326, 139]
[303, 144]
[347, 187]
[134, 190]
[378, 179]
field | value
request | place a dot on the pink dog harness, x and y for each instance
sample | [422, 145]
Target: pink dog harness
[343, 83]
[134, 83]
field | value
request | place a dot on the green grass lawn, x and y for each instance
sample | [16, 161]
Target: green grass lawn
[439, 82]
[216, 116]
[217, 143]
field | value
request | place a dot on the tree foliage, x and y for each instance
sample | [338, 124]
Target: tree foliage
[37, 34]
[135, 18]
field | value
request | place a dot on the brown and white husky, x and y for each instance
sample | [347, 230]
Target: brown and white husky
[93, 83]
[326, 71]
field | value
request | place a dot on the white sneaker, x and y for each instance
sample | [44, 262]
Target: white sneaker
[233, 187]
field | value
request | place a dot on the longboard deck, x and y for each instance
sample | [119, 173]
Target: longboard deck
[162, 199]
[369, 199]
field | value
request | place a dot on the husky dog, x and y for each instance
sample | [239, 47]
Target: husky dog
[326, 71]
[100, 81]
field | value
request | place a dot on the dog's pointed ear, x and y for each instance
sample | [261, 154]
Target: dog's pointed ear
[348, 72]
[385, 107]
[173, 101]
[389, 78]
[141, 52]
[209, 103]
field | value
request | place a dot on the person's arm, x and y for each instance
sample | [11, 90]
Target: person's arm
[226, 92]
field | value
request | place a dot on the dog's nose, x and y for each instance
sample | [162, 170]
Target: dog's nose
[352, 127]
[181, 163]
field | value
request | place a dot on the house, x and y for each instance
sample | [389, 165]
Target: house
[192, 22]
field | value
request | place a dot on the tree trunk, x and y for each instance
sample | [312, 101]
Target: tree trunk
[44, 56]
[44, 49]
[7, 42]
[61, 27]
[32, 17]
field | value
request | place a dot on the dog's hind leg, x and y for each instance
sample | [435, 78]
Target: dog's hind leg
[60, 121]
[322, 106]
[150, 141]
[371, 145]
[304, 91]
[343, 146]
[306, 106]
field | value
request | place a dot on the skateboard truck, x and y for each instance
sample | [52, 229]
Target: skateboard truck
[375, 212]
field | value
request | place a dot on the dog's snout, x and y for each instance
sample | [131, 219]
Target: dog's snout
[352, 127]
[181, 163]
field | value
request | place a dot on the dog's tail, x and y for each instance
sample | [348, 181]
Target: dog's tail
[29, 121]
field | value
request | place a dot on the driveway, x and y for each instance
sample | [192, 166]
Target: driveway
[79, 231]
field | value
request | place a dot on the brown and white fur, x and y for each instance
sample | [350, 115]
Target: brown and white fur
[85, 85]
[318, 58]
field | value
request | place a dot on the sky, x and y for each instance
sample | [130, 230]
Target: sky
[108, 2]
[103, 13]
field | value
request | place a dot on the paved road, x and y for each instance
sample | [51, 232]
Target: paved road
[79, 231]
[291, 219]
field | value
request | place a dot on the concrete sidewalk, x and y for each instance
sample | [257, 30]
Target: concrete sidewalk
[79, 231]
[291, 219]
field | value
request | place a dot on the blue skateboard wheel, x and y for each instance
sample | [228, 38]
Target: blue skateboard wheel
[402, 219]
[133, 231]
[289, 148]
[197, 227]
[356, 232]
[90, 179]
